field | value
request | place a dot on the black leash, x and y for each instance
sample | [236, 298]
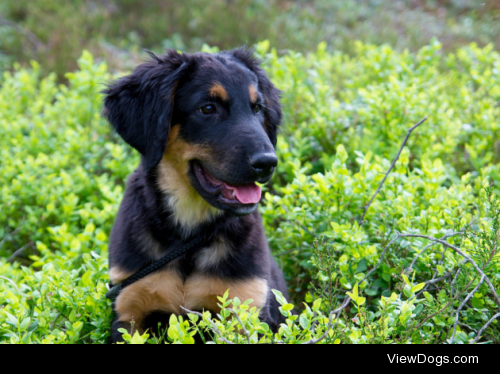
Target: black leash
[199, 242]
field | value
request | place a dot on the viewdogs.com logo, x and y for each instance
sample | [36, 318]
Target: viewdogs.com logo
[436, 360]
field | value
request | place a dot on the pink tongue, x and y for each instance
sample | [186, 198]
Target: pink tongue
[249, 194]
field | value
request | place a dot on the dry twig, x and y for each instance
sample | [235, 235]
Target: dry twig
[410, 268]
[434, 281]
[381, 258]
[367, 206]
[467, 258]
[469, 296]
[242, 326]
[455, 278]
[10, 235]
[330, 326]
[19, 251]
[215, 329]
[485, 327]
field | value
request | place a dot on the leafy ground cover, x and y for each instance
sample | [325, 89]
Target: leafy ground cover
[381, 279]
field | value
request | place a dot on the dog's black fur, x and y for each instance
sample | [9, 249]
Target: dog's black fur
[219, 115]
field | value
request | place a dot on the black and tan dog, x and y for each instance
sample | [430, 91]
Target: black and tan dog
[206, 128]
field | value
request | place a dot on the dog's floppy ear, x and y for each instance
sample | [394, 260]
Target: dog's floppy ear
[273, 114]
[139, 106]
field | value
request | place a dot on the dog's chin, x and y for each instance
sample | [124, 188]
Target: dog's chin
[215, 193]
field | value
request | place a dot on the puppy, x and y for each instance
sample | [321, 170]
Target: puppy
[205, 126]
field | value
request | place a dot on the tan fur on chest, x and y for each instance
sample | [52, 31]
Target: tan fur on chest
[166, 292]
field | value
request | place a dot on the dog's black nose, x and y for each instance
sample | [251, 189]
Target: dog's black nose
[264, 164]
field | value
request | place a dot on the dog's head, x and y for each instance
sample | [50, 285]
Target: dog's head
[208, 121]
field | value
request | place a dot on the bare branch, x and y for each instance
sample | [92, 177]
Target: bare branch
[470, 328]
[19, 251]
[455, 278]
[346, 302]
[434, 281]
[10, 235]
[469, 296]
[242, 326]
[427, 285]
[308, 231]
[485, 327]
[314, 325]
[444, 277]
[381, 258]
[410, 268]
[436, 313]
[467, 258]
[330, 326]
[214, 326]
[367, 206]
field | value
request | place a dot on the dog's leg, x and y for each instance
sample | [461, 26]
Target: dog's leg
[116, 336]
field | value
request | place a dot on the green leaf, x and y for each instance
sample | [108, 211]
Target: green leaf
[417, 288]
[288, 307]
[406, 280]
[428, 297]
[86, 278]
[11, 320]
[304, 322]
[362, 266]
[354, 294]
[24, 324]
[418, 309]
[317, 305]
[279, 297]
[236, 302]
[33, 326]
[341, 153]
[477, 303]
[407, 291]
[308, 297]
[77, 326]
[139, 339]
[173, 320]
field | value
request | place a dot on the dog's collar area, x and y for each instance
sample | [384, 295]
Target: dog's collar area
[192, 245]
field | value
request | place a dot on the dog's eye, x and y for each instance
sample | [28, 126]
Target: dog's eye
[257, 109]
[208, 109]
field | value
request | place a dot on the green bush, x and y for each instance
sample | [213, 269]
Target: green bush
[367, 103]
[63, 174]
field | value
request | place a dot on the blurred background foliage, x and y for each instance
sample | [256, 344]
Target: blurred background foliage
[55, 33]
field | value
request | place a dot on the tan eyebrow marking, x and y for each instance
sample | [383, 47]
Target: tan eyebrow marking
[254, 95]
[218, 91]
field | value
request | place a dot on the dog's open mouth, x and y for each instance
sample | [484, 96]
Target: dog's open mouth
[248, 194]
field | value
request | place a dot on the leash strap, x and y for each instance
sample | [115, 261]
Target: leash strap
[114, 291]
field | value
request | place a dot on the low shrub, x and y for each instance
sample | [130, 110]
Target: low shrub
[380, 279]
